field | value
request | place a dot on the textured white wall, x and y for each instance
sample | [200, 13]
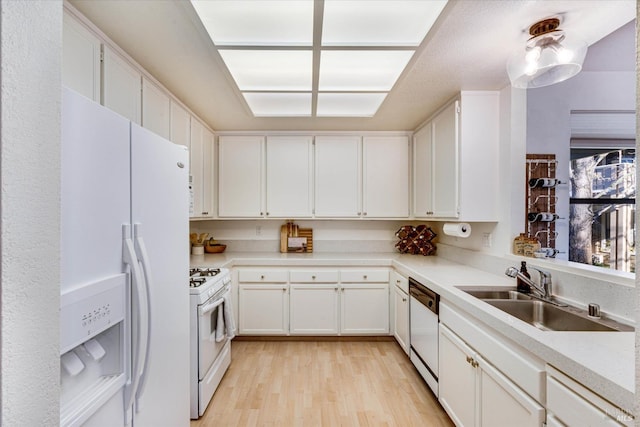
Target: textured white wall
[30, 76]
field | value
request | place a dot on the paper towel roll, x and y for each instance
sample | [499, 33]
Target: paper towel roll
[459, 229]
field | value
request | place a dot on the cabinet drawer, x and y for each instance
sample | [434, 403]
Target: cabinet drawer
[400, 281]
[574, 404]
[314, 276]
[263, 276]
[364, 276]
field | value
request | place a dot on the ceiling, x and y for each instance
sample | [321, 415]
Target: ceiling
[467, 49]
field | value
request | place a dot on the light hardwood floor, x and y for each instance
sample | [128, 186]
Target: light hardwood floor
[322, 383]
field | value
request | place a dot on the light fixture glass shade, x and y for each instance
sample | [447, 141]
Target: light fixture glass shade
[276, 70]
[546, 59]
[349, 104]
[275, 104]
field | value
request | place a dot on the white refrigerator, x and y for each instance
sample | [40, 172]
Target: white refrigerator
[124, 315]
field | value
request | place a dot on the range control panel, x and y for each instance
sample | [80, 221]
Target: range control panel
[91, 309]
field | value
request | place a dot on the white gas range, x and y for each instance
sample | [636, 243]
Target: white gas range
[212, 328]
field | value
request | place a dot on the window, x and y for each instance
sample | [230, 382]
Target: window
[602, 204]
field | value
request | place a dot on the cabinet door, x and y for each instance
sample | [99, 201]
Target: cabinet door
[314, 309]
[156, 109]
[502, 403]
[208, 173]
[445, 178]
[385, 182]
[121, 86]
[81, 58]
[202, 170]
[263, 309]
[289, 176]
[422, 172]
[338, 175]
[240, 171]
[180, 125]
[457, 379]
[365, 308]
[401, 318]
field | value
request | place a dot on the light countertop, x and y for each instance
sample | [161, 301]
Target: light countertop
[602, 361]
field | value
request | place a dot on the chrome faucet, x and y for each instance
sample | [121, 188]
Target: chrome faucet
[543, 290]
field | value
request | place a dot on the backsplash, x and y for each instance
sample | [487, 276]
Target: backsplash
[328, 236]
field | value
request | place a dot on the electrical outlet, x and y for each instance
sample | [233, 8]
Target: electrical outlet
[486, 240]
[258, 230]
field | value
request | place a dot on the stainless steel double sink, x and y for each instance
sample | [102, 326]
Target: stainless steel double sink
[542, 314]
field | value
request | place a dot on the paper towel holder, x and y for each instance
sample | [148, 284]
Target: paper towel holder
[460, 229]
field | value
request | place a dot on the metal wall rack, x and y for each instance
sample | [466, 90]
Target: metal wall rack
[541, 199]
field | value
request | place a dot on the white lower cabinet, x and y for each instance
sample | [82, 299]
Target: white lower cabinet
[474, 393]
[263, 309]
[572, 404]
[400, 286]
[364, 309]
[364, 301]
[313, 302]
[263, 302]
[314, 309]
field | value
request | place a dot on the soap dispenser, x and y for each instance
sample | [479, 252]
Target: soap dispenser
[522, 286]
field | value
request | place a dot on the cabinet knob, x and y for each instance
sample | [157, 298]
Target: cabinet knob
[267, 213]
[364, 277]
[261, 213]
[313, 277]
[404, 299]
[262, 277]
[359, 213]
[205, 213]
[284, 289]
[364, 213]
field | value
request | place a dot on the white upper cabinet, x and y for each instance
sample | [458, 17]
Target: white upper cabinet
[121, 86]
[180, 125]
[156, 109]
[385, 177]
[269, 177]
[362, 177]
[422, 171]
[338, 177]
[81, 58]
[445, 162]
[289, 166]
[240, 176]
[202, 171]
[455, 160]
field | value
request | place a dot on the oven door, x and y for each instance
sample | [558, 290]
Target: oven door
[209, 315]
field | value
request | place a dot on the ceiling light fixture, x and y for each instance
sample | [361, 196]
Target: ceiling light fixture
[549, 56]
[316, 58]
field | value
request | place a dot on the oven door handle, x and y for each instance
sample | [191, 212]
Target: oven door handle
[210, 307]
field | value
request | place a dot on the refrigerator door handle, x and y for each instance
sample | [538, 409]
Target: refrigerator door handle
[140, 349]
[143, 256]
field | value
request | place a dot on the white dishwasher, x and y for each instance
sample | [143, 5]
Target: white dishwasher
[423, 326]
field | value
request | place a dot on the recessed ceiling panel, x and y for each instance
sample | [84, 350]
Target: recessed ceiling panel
[257, 22]
[279, 104]
[378, 23]
[270, 69]
[366, 70]
[349, 104]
